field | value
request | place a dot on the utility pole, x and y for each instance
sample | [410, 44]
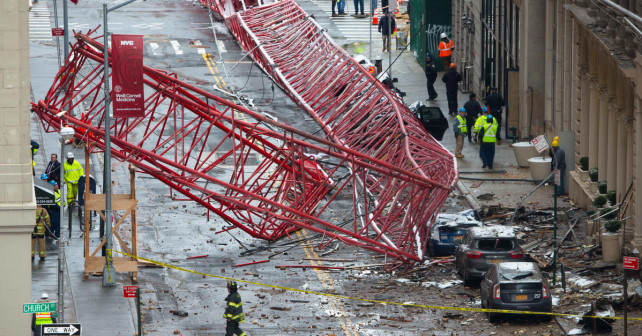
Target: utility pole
[109, 272]
[65, 14]
[66, 133]
[55, 5]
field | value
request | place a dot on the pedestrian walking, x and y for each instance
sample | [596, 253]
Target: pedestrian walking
[38, 235]
[431, 77]
[358, 3]
[73, 172]
[52, 172]
[461, 131]
[495, 102]
[334, 5]
[341, 6]
[487, 148]
[473, 111]
[386, 27]
[233, 310]
[558, 162]
[452, 79]
[38, 319]
[446, 47]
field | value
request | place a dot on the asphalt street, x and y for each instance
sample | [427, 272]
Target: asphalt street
[180, 38]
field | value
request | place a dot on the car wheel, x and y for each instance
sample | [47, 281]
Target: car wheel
[466, 278]
[492, 317]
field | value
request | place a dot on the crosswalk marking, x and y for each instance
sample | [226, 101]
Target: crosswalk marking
[39, 22]
[176, 46]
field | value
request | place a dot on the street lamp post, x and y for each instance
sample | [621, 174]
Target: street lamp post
[66, 133]
[109, 272]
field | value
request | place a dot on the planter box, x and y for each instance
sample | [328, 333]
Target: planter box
[524, 151]
[583, 175]
[593, 187]
[610, 247]
[540, 168]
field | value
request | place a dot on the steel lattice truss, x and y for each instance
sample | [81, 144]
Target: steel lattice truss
[252, 171]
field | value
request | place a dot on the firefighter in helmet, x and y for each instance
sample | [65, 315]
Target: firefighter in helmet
[233, 310]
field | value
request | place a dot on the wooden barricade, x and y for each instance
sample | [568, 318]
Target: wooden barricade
[120, 202]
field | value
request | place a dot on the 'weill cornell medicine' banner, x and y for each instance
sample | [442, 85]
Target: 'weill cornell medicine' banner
[127, 76]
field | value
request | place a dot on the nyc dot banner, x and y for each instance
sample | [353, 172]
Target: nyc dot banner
[127, 92]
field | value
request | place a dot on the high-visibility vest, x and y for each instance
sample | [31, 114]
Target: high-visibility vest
[445, 48]
[479, 123]
[462, 124]
[234, 309]
[43, 318]
[57, 196]
[490, 131]
[73, 172]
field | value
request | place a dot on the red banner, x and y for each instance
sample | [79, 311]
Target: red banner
[127, 75]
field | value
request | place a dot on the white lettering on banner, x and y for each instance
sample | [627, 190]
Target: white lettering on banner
[127, 97]
[131, 43]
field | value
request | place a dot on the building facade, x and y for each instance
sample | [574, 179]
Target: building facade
[567, 68]
[17, 200]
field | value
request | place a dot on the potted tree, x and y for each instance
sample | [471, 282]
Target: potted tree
[593, 175]
[611, 196]
[584, 161]
[601, 187]
[611, 242]
[599, 201]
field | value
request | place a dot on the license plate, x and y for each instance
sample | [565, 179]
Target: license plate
[459, 237]
[495, 261]
[521, 297]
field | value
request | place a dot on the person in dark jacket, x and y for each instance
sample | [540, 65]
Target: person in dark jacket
[495, 102]
[386, 27]
[233, 310]
[473, 111]
[452, 79]
[53, 169]
[431, 77]
[558, 162]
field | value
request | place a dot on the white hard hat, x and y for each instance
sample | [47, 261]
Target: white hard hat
[443, 35]
[70, 155]
[44, 296]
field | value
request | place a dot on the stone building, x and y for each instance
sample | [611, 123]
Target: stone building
[17, 200]
[567, 68]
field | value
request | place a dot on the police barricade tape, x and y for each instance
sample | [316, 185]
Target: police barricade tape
[465, 309]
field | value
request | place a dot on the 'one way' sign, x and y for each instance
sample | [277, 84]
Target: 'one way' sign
[59, 329]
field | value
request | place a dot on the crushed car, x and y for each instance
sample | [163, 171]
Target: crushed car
[515, 286]
[448, 231]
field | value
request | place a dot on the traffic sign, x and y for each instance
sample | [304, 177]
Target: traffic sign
[44, 307]
[57, 32]
[540, 143]
[557, 177]
[59, 329]
[631, 263]
[129, 291]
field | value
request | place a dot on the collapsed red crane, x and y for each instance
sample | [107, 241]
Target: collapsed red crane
[272, 187]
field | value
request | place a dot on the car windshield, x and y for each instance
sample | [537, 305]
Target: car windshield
[495, 244]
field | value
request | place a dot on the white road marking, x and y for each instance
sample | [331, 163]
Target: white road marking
[221, 46]
[154, 49]
[200, 50]
[177, 47]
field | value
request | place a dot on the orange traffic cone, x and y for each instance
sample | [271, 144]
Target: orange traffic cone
[375, 19]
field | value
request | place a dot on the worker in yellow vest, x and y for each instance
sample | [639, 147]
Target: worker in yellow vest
[38, 235]
[73, 172]
[487, 131]
[39, 319]
[479, 123]
[460, 132]
[34, 150]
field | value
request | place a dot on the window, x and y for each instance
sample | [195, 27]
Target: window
[495, 244]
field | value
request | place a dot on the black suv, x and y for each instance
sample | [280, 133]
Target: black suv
[484, 246]
[515, 286]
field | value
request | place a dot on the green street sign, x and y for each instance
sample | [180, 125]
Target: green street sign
[44, 307]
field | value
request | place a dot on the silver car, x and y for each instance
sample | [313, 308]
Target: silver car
[484, 246]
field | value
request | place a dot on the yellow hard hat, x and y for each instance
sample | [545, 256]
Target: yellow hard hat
[555, 144]
[556, 138]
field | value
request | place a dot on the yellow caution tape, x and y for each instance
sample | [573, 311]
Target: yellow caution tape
[465, 309]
